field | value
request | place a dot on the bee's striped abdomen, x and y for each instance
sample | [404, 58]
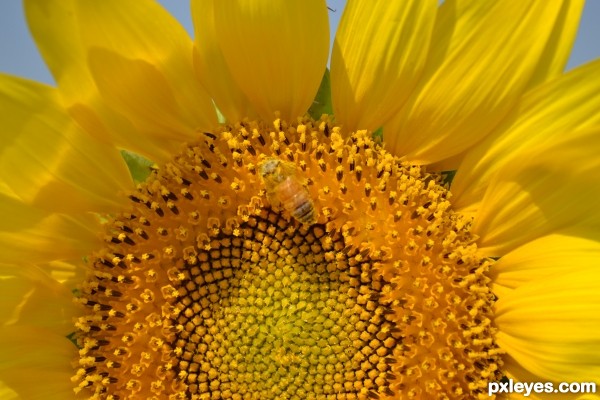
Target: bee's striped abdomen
[294, 198]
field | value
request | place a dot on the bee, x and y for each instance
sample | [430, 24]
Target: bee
[285, 189]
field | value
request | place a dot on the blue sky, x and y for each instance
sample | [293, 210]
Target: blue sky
[18, 55]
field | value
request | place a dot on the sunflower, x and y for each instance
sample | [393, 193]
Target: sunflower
[186, 220]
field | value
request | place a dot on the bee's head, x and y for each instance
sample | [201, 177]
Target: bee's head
[268, 167]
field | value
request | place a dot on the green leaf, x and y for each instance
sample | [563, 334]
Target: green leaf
[322, 102]
[139, 167]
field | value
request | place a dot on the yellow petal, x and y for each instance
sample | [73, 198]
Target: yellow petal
[36, 363]
[562, 105]
[137, 88]
[378, 56]
[32, 297]
[276, 51]
[143, 31]
[55, 28]
[105, 124]
[6, 393]
[558, 49]
[448, 164]
[541, 191]
[48, 161]
[211, 68]
[544, 257]
[551, 327]
[486, 54]
[30, 235]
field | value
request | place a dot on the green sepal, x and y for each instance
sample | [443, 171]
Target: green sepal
[322, 102]
[139, 167]
[73, 339]
[377, 135]
[448, 177]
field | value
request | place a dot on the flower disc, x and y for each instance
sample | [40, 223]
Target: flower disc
[211, 288]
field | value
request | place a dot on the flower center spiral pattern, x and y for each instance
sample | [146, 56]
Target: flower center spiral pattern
[208, 289]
